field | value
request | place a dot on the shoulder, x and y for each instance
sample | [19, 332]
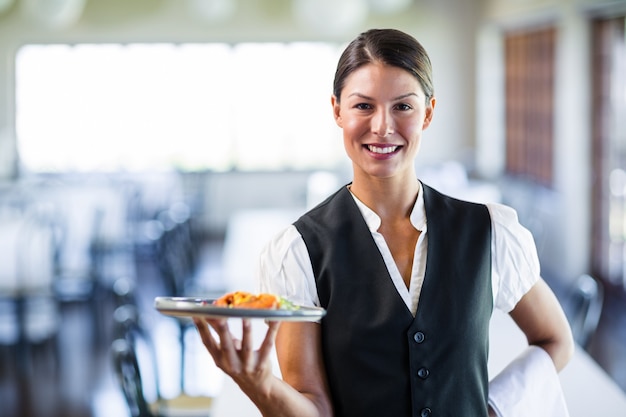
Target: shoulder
[279, 246]
[322, 209]
[436, 198]
[507, 227]
[454, 212]
[515, 260]
[502, 214]
[285, 269]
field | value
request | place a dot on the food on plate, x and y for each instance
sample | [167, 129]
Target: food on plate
[243, 299]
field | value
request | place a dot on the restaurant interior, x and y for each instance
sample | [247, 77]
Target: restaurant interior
[152, 147]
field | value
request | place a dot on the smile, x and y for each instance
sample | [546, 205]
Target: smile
[382, 149]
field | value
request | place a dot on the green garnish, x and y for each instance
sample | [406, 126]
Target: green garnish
[284, 304]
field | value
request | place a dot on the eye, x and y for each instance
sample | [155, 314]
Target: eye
[404, 107]
[363, 106]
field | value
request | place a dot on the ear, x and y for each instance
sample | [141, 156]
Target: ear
[336, 110]
[430, 109]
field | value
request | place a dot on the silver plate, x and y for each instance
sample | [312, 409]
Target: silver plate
[203, 307]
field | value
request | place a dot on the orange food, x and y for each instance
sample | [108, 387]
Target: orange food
[243, 299]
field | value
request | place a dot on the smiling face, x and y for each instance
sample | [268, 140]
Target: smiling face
[382, 111]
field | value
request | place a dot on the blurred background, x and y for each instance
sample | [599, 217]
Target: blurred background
[150, 147]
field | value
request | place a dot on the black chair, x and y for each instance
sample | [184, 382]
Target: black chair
[583, 307]
[30, 315]
[129, 376]
[176, 257]
[135, 364]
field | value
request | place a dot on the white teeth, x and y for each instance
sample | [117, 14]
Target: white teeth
[377, 149]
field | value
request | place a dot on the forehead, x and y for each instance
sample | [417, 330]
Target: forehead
[376, 78]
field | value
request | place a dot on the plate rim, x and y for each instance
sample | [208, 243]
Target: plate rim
[187, 306]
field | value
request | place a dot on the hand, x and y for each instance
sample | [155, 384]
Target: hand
[237, 358]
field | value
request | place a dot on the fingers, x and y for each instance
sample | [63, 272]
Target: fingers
[224, 352]
[237, 357]
[268, 342]
[247, 352]
[207, 338]
[228, 346]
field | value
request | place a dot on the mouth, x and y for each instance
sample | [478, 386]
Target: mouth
[382, 149]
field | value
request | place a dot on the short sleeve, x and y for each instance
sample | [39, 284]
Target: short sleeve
[285, 269]
[515, 264]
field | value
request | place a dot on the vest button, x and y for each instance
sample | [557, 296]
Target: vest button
[419, 337]
[426, 412]
[423, 373]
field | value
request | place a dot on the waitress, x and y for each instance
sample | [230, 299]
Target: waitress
[408, 276]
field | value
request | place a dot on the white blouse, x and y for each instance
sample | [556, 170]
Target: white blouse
[285, 268]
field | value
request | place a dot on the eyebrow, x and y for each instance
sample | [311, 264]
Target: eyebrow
[403, 96]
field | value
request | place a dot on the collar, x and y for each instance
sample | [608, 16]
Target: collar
[418, 214]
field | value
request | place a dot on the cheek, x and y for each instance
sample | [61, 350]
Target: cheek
[410, 129]
[352, 126]
[417, 129]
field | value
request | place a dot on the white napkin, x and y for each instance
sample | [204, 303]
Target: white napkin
[528, 386]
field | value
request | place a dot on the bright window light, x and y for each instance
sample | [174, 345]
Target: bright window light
[190, 107]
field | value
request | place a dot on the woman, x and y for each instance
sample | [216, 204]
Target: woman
[408, 276]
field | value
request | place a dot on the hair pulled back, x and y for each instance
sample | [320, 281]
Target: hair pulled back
[387, 46]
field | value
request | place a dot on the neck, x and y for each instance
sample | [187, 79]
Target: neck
[388, 197]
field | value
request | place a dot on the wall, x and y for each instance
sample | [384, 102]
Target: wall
[225, 195]
[445, 27]
[561, 214]
[464, 40]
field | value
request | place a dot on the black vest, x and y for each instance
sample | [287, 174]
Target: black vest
[380, 361]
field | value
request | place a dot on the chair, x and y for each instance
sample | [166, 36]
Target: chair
[30, 316]
[135, 364]
[583, 308]
[129, 376]
[176, 257]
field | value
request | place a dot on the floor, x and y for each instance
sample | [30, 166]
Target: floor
[70, 375]
[56, 377]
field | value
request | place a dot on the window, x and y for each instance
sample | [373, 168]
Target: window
[112, 107]
[529, 78]
[609, 151]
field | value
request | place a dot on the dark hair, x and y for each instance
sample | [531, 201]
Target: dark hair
[390, 47]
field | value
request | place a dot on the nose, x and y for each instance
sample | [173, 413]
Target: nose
[382, 124]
